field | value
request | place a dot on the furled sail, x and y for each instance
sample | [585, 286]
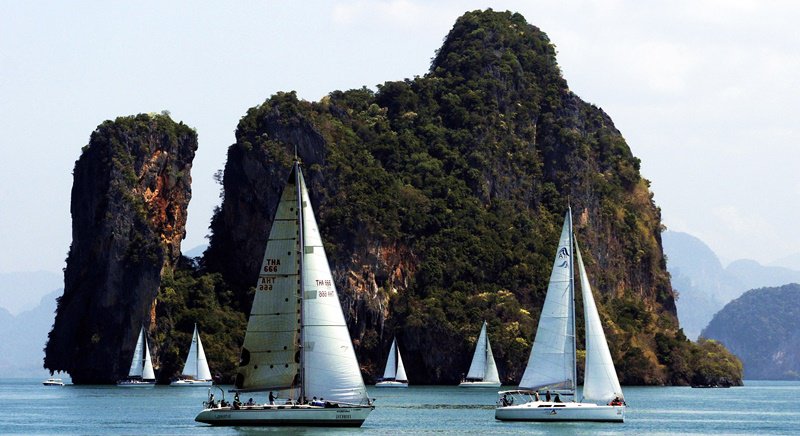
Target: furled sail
[600, 380]
[552, 361]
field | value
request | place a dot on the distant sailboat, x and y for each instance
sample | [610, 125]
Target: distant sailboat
[297, 346]
[394, 376]
[195, 370]
[483, 370]
[552, 369]
[141, 373]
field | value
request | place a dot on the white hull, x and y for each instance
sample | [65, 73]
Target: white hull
[53, 382]
[301, 416]
[479, 384]
[391, 384]
[192, 383]
[549, 411]
[135, 384]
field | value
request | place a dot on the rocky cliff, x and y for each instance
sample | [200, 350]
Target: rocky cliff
[440, 200]
[131, 188]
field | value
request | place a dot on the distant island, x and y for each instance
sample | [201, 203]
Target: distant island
[762, 327]
[439, 198]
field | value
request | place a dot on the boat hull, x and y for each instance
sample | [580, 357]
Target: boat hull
[135, 384]
[391, 384]
[548, 411]
[300, 416]
[479, 384]
[192, 383]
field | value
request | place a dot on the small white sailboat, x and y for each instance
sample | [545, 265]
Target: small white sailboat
[297, 346]
[141, 374]
[195, 370]
[551, 370]
[394, 376]
[483, 370]
[53, 382]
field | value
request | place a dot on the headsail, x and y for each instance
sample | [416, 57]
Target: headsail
[401, 369]
[147, 365]
[491, 368]
[552, 362]
[331, 367]
[600, 380]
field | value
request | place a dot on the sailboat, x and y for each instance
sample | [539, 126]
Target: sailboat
[195, 370]
[483, 370]
[552, 367]
[141, 373]
[297, 346]
[394, 376]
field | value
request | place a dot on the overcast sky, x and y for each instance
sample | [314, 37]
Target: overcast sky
[706, 93]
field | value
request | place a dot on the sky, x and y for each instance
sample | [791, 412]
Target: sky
[706, 93]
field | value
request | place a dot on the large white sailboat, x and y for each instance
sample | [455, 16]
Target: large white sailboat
[483, 370]
[297, 346]
[394, 376]
[551, 371]
[195, 370]
[141, 374]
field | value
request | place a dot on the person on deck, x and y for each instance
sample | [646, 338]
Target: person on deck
[271, 398]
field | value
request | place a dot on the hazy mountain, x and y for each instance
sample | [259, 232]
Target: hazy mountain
[791, 261]
[22, 290]
[24, 337]
[704, 286]
[762, 327]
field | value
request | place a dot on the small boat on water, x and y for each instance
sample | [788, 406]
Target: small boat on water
[141, 374]
[195, 370]
[394, 376]
[297, 346]
[53, 382]
[551, 372]
[483, 370]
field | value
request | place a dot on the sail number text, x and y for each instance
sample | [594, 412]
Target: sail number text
[271, 265]
[266, 283]
[325, 292]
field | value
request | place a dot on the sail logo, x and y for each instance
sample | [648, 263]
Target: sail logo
[563, 254]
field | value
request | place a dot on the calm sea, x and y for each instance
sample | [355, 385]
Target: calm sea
[757, 408]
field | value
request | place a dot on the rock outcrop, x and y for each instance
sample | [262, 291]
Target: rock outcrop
[132, 185]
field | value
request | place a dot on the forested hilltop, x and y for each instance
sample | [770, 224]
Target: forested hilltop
[440, 200]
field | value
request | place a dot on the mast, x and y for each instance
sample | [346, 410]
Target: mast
[300, 260]
[572, 300]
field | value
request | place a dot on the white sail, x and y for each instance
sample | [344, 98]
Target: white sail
[196, 365]
[600, 382]
[477, 369]
[401, 369]
[331, 367]
[270, 358]
[491, 367]
[391, 362]
[147, 365]
[138, 356]
[551, 364]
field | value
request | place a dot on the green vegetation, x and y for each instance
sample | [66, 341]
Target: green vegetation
[469, 170]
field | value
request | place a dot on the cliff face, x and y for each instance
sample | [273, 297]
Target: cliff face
[129, 198]
[441, 198]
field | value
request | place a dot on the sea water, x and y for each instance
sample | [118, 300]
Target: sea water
[760, 407]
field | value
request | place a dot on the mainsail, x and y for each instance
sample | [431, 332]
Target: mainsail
[600, 380]
[283, 317]
[196, 365]
[552, 362]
